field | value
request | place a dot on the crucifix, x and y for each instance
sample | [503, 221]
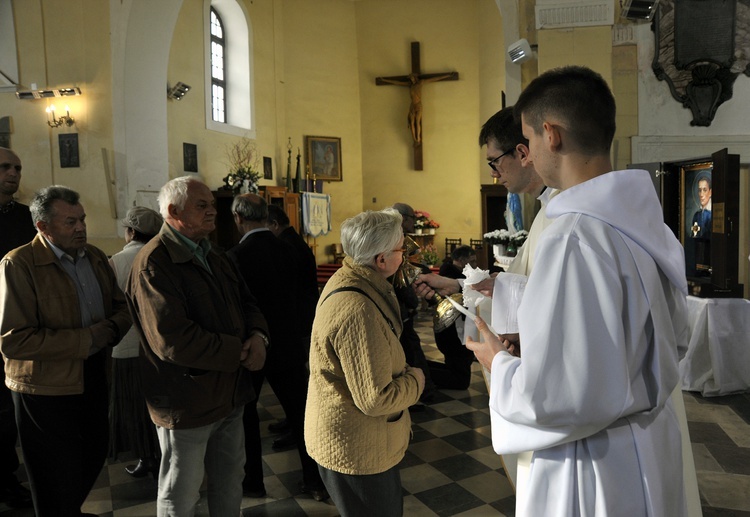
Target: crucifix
[414, 81]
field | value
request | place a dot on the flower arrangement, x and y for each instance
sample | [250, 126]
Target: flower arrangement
[505, 238]
[429, 255]
[421, 219]
[243, 162]
[497, 237]
[433, 224]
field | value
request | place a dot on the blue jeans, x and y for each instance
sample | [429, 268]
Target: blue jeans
[219, 450]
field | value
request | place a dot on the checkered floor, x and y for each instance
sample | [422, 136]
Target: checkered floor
[450, 468]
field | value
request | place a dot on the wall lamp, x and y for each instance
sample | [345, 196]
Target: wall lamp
[178, 91]
[57, 122]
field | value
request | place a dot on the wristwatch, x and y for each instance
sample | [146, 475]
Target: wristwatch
[263, 337]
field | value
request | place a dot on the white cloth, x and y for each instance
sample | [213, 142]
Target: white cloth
[121, 262]
[602, 323]
[718, 353]
[316, 213]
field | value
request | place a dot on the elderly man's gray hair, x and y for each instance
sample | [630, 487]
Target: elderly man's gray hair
[41, 206]
[369, 234]
[250, 207]
[174, 192]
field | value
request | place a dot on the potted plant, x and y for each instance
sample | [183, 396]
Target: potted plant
[499, 240]
[429, 255]
[421, 219]
[516, 241]
[432, 226]
[243, 164]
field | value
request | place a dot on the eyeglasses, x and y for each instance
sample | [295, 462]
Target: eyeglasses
[493, 161]
[402, 250]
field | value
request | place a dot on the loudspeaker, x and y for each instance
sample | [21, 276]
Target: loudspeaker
[520, 51]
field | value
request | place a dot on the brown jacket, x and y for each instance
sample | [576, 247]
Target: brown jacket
[192, 325]
[41, 337]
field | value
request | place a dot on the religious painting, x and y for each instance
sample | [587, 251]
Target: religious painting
[267, 168]
[323, 157]
[697, 217]
[190, 157]
[69, 156]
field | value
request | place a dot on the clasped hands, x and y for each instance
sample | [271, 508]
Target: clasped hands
[253, 353]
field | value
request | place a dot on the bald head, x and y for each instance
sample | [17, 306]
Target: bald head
[407, 213]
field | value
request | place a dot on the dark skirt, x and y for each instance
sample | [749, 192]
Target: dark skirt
[130, 425]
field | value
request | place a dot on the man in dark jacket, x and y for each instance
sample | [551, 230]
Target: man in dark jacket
[201, 331]
[269, 267]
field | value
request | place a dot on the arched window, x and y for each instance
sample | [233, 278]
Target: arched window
[218, 83]
[229, 68]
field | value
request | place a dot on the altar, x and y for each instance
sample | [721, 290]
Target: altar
[718, 358]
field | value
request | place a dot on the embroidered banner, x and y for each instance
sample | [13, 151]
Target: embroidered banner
[316, 213]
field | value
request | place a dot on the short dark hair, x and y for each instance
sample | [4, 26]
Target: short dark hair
[250, 207]
[41, 205]
[504, 129]
[582, 100]
[463, 252]
[276, 214]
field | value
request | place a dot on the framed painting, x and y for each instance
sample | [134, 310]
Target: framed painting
[324, 157]
[696, 217]
[267, 168]
[189, 157]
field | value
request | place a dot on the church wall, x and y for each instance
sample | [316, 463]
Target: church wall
[64, 44]
[449, 33]
[320, 88]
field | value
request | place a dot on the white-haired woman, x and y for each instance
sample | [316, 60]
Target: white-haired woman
[357, 423]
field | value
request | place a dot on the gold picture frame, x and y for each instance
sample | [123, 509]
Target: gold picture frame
[323, 157]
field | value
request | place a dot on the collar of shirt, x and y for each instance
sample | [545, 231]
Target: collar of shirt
[200, 250]
[256, 230]
[60, 254]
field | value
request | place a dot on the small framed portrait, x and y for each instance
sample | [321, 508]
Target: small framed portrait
[267, 168]
[190, 157]
[324, 157]
[696, 195]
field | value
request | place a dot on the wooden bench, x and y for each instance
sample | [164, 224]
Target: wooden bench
[326, 271]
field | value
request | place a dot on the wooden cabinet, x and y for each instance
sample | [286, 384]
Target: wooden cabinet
[288, 201]
[494, 201]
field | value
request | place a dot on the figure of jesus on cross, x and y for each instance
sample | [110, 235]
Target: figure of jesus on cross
[414, 81]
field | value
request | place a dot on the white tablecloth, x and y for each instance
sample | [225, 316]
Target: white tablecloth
[718, 357]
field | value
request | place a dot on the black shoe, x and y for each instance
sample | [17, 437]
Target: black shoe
[319, 493]
[256, 492]
[16, 495]
[144, 467]
[282, 426]
[284, 441]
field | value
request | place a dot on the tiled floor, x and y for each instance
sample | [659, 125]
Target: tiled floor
[450, 468]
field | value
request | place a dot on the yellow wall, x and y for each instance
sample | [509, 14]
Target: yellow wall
[64, 44]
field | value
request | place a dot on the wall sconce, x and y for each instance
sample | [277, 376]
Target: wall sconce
[178, 91]
[57, 122]
[520, 51]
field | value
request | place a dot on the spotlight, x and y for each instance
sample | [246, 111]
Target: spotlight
[178, 91]
[520, 51]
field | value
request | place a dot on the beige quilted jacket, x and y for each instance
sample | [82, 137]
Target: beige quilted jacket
[357, 420]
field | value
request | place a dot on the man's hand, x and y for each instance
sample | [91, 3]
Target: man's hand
[490, 346]
[102, 334]
[441, 284]
[513, 343]
[486, 286]
[253, 353]
[419, 374]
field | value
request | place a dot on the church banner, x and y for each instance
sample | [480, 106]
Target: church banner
[316, 213]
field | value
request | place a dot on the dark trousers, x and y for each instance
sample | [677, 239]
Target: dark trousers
[64, 442]
[455, 373]
[289, 383]
[415, 357]
[375, 495]
[8, 437]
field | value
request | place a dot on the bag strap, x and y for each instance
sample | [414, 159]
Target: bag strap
[360, 291]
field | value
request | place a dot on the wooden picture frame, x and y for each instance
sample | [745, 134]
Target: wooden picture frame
[695, 233]
[323, 155]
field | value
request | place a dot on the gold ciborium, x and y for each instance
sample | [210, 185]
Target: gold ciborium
[445, 313]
